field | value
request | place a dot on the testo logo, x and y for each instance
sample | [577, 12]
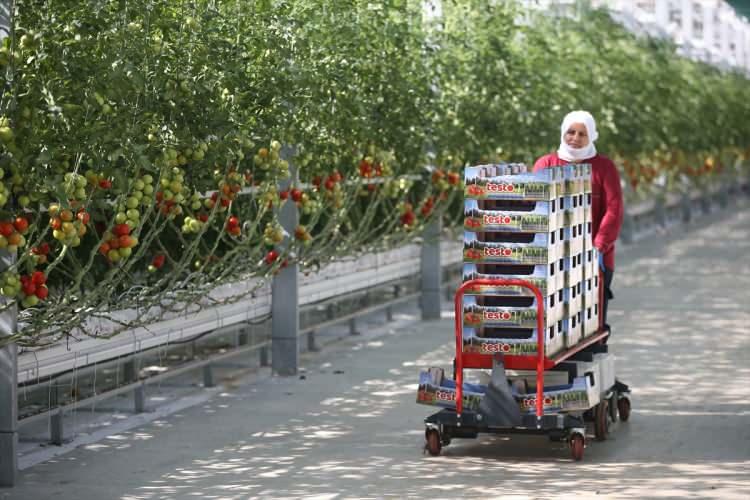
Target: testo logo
[498, 219]
[492, 348]
[497, 315]
[498, 251]
[500, 188]
[445, 396]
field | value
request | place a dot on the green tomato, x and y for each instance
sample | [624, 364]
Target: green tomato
[121, 217]
[6, 134]
[30, 301]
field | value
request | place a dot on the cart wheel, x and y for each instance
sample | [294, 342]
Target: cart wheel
[623, 408]
[433, 443]
[576, 447]
[601, 420]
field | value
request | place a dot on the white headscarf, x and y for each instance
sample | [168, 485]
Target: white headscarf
[568, 153]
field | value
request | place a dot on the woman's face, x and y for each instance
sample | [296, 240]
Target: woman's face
[576, 136]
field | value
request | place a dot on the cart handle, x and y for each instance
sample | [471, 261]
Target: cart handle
[459, 318]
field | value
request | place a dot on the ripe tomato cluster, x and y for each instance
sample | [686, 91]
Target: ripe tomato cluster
[444, 180]
[427, 206]
[40, 253]
[68, 227]
[12, 233]
[33, 288]
[118, 244]
[229, 187]
[233, 226]
[303, 235]
[408, 217]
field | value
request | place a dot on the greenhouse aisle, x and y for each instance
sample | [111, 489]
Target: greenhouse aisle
[350, 427]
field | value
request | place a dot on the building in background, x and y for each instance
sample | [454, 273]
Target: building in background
[705, 30]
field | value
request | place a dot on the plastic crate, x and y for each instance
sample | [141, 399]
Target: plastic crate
[523, 217]
[547, 277]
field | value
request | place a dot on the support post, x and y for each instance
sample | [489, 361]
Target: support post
[263, 356]
[285, 291]
[431, 271]
[660, 211]
[8, 386]
[208, 376]
[139, 396]
[311, 345]
[243, 336]
[56, 424]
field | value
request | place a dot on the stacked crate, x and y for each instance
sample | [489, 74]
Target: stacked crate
[537, 228]
[533, 227]
[512, 230]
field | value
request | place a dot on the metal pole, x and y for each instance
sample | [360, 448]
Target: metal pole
[8, 388]
[431, 270]
[285, 293]
[9, 353]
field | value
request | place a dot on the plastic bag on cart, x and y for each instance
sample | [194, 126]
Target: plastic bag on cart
[498, 406]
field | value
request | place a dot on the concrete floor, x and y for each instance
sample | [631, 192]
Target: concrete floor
[351, 428]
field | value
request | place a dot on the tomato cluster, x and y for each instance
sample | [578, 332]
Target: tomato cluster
[233, 226]
[68, 227]
[33, 288]
[12, 233]
[118, 244]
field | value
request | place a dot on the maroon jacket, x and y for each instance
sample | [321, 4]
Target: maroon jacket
[606, 201]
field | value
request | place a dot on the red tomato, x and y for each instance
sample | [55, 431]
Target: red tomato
[6, 228]
[83, 216]
[158, 260]
[271, 256]
[21, 224]
[125, 241]
[29, 288]
[121, 230]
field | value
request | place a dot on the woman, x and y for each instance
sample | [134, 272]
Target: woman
[577, 136]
